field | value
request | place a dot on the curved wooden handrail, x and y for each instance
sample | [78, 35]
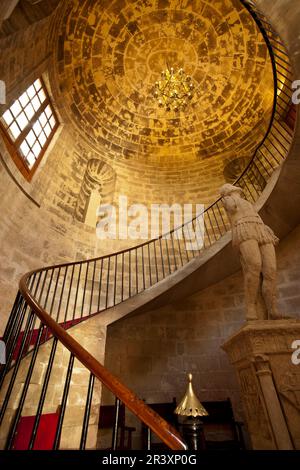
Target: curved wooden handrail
[157, 424]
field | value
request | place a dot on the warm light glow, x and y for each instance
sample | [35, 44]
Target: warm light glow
[174, 90]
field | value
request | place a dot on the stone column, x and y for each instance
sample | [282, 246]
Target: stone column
[261, 353]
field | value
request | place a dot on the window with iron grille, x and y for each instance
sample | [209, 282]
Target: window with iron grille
[28, 127]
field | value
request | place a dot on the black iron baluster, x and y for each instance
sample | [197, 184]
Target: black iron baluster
[217, 222]
[87, 412]
[262, 186]
[63, 403]
[13, 321]
[161, 257]
[48, 290]
[17, 416]
[174, 254]
[143, 270]
[155, 257]
[12, 347]
[179, 246]
[61, 294]
[122, 282]
[76, 293]
[69, 294]
[206, 232]
[136, 272]
[40, 300]
[129, 272]
[43, 395]
[148, 439]
[222, 218]
[185, 243]
[262, 162]
[252, 183]
[201, 230]
[107, 282]
[280, 143]
[168, 256]
[84, 289]
[30, 336]
[272, 153]
[211, 224]
[191, 240]
[100, 285]
[149, 261]
[115, 279]
[12, 317]
[246, 184]
[92, 288]
[116, 425]
[17, 365]
[55, 290]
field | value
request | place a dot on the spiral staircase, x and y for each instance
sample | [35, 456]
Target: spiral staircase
[55, 299]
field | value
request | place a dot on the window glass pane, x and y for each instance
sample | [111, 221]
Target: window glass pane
[8, 117]
[42, 96]
[36, 149]
[30, 159]
[52, 121]
[31, 91]
[15, 131]
[29, 111]
[47, 130]
[24, 148]
[36, 103]
[37, 128]
[43, 119]
[37, 84]
[42, 139]
[48, 111]
[22, 121]
[31, 138]
[24, 99]
[16, 108]
[24, 118]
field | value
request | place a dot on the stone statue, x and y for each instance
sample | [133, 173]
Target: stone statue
[256, 243]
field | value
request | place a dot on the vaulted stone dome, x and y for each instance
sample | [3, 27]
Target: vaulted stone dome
[108, 55]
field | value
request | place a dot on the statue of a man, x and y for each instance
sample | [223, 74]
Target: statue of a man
[256, 243]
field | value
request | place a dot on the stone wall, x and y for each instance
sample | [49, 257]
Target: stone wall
[153, 352]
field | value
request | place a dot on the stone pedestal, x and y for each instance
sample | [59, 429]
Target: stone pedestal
[269, 379]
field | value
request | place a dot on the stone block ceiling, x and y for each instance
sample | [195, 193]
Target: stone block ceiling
[108, 55]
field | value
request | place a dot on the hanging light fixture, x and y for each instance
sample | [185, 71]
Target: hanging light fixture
[174, 90]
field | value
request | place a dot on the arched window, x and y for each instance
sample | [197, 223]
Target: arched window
[28, 127]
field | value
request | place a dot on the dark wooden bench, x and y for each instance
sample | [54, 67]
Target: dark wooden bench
[221, 430]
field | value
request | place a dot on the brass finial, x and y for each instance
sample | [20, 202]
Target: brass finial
[190, 405]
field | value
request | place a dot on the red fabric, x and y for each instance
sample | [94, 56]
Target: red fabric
[45, 433]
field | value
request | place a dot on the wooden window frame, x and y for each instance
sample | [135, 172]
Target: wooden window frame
[13, 146]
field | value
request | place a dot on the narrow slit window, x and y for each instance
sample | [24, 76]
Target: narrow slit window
[28, 127]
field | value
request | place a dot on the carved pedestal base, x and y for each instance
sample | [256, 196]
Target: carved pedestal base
[262, 355]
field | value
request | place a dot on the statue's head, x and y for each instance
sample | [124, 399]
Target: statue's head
[229, 189]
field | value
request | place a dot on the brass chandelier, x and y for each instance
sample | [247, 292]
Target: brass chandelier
[174, 90]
